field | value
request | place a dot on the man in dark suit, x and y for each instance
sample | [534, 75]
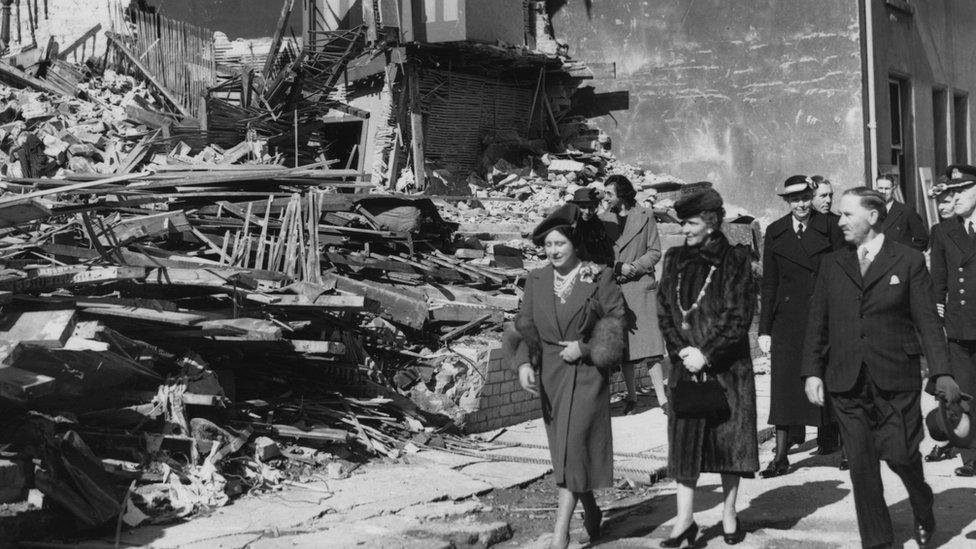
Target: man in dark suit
[870, 300]
[954, 279]
[902, 224]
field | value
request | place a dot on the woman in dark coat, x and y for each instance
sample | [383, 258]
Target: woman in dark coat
[569, 332]
[792, 250]
[705, 306]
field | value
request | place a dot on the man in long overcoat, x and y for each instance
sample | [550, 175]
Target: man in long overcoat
[954, 279]
[872, 301]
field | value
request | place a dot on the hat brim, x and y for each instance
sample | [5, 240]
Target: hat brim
[950, 433]
[583, 201]
[959, 183]
[795, 189]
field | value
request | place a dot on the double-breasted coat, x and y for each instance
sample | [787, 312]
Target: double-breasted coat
[790, 266]
[954, 283]
[720, 329]
[639, 244]
[905, 226]
[575, 397]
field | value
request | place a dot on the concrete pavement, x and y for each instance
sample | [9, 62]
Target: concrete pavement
[809, 508]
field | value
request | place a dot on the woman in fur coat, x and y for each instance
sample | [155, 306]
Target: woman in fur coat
[706, 302]
[569, 332]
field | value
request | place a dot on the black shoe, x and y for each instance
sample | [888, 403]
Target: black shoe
[735, 537]
[776, 468]
[967, 470]
[923, 533]
[689, 535]
[940, 453]
[592, 524]
[630, 406]
[844, 464]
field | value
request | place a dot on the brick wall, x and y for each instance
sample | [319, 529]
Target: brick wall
[503, 402]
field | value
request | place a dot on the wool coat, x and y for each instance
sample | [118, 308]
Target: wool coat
[639, 244]
[575, 397]
[905, 226]
[720, 329]
[790, 266]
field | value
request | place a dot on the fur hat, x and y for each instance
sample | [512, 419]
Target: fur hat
[952, 422]
[696, 202]
[797, 184]
[564, 217]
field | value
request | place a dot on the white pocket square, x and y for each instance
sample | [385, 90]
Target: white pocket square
[894, 280]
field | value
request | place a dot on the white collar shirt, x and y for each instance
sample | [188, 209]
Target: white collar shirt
[872, 248]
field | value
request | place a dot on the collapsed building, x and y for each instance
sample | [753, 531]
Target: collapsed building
[219, 268]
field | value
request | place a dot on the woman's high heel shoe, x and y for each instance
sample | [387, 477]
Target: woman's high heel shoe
[689, 535]
[735, 537]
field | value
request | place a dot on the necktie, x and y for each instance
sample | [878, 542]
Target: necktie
[799, 230]
[864, 261]
[970, 229]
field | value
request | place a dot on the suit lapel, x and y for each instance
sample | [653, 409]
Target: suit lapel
[848, 262]
[546, 322]
[882, 263]
[958, 235]
[636, 220]
[815, 242]
[787, 245]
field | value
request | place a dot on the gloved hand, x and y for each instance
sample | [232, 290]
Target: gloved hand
[693, 359]
[948, 389]
[765, 344]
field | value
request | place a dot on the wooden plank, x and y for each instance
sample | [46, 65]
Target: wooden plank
[462, 312]
[21, 385]
[72, 187]
[134, 228]
[147, 74]
[279, 35]
[398, 305]
[90, 33]
[50, 278]
[317, 347]
[416, 126]
[463, 329]
[147, 315]
[12, 215]
[325, 302]
[42, 328]
[17, 77]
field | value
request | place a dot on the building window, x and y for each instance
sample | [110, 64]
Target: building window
[901, 155]
[940, 129]
[960, 128]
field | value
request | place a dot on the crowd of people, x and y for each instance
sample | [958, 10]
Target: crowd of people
[847, 308]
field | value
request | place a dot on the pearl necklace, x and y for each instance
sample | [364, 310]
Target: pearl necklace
[562, 285]
[685, 313]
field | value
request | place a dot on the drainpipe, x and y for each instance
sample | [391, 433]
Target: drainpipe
[5, 24]
[872, 100]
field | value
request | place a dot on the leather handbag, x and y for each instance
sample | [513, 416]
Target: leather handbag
[700, 397]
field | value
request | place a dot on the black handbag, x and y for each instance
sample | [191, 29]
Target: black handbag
[700, 396]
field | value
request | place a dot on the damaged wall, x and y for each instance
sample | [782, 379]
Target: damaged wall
[235, 18]
[740, 93]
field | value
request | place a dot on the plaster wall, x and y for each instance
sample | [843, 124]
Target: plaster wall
[741, 93]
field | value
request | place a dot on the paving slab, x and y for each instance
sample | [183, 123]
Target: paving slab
[503, 474]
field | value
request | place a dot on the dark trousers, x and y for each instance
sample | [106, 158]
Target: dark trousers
[880, 425]
[962, 358]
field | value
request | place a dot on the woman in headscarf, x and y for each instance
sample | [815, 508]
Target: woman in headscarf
[706, 304]
[569, 332]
